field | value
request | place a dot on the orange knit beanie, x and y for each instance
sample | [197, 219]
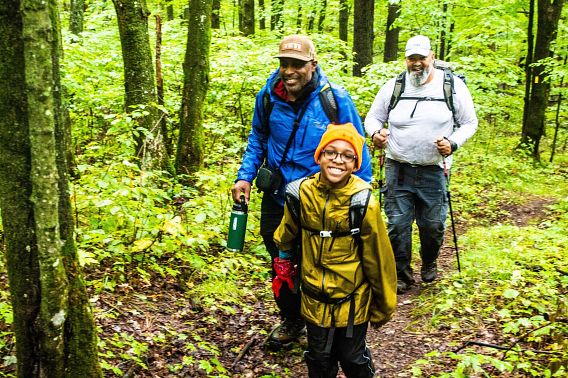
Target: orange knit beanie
[346, 132]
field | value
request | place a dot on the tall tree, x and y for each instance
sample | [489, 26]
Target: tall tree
[139, 82]
[392, 32]
[216, 14]
[444, 38]
[76, 12]
[261, 15]
[189, 157]
[547, 25]
[299, 18]
[277, 15]
[246, 17]
[53, 323]
[170, 12]
[343, 19]
[363, 36]
[322, 12]
[528, 59]
[311, 16]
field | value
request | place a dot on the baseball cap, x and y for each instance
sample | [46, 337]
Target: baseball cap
[418, 44]
[297, 47]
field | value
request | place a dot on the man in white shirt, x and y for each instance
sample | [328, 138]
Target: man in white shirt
[419, 141]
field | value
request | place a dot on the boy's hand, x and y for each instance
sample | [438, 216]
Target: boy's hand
[285, 272]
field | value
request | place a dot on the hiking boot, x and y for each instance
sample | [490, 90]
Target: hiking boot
[429, 272]
[405, 280]
[289, 330]
[402, 286]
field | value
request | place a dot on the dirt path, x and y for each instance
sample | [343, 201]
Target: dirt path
[396, 346]
[180, 334]
[176, 329]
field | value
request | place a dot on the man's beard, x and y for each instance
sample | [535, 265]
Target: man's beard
[419, 78]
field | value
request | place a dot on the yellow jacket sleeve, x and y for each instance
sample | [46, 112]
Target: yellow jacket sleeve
[285, 234]
[378, 264]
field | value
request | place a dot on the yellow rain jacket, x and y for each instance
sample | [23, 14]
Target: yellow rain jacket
[332, 267]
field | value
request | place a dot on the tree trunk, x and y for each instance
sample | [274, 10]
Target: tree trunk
[139, 82]
[323, 10]
[299, 18]
[170, 12]
[392, 33]
[277, 15]
[261, 15]
[311, 19]
[76, 16]
[189, 158]
[528, 61]
[443, 22]
[246, 19]
[547, 26]
[449, 42]
[363, 36]
[343, 20]
[216, 14]
[53, 324]
[160, 88]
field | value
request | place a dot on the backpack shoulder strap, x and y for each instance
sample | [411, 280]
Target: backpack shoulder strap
[449, 93]
[358, 209]
[397, 91]
[327, 99]
[292, 198]
[266, 110]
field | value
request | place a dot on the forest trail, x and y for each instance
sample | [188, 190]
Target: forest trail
[173, 327]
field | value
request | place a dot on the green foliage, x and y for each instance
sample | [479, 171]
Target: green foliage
[137, 226]
[512, 290]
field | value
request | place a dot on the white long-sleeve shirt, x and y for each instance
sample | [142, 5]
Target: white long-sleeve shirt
[412, 137]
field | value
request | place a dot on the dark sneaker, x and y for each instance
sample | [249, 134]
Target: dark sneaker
[429, 272]
[290, 330]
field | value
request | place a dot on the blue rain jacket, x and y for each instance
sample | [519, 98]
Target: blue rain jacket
[300, 157]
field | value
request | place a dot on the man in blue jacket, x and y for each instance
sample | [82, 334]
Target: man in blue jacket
[293, 102]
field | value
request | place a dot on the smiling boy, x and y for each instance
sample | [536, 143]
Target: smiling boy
[347, 275]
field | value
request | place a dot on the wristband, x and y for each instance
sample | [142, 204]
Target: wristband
[453, 145]
[375, 132]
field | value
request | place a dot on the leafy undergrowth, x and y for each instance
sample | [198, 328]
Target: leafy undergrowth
[506, 314]
[171, 303]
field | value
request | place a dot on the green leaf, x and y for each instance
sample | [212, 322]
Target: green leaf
[510, 293]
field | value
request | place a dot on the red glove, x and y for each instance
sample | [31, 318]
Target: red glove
[285, 272]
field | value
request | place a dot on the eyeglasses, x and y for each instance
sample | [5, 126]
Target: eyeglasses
[346, 158]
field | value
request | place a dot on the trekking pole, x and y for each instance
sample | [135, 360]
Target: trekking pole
[452, 214]
[381, 174]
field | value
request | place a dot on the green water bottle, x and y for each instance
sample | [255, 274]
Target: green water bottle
[237, 226]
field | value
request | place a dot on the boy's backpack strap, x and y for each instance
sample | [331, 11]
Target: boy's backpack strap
[328, 103]
[358, 209]
[292, 198]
